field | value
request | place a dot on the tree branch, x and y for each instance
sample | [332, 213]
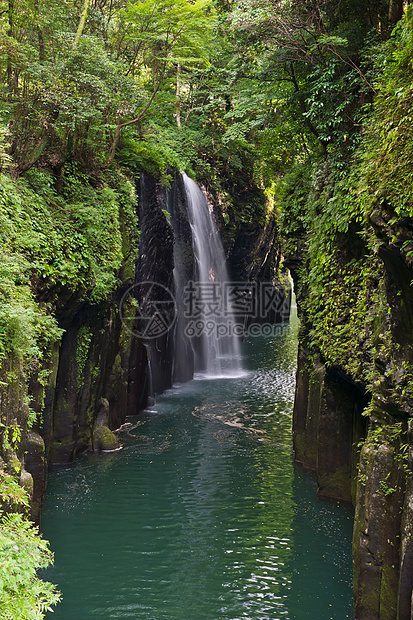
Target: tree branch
[134, 120]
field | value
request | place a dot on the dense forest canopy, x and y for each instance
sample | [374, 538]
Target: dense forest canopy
[200, 86]
[283, 77]
[303, 102]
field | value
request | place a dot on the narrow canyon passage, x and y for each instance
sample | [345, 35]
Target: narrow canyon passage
[203, 513]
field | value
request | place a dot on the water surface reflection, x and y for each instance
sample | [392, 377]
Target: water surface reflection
[203, 514]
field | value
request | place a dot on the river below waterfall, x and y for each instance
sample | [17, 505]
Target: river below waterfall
[202, 515]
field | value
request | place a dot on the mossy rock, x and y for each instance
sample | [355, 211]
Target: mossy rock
[14, 464]
[104, 439]
[26, 481]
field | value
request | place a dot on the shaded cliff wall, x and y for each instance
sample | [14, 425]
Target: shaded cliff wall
[250, 232]
[328, 426]
[348, 229]
[354, 396]
[155, 264]
[92, 370]
[184, 266]
[249, 229]
[64, 353]
[90, 385]
[352, 422]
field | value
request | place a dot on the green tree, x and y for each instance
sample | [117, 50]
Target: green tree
[23, 595]
[156, 38]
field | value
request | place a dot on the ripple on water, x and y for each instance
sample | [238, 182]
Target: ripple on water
[202, 515]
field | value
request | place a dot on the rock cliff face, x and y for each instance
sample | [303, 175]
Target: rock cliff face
[82, 386]
[353, 406]
[90, 383]
[95, 378]
[155, 264]
[102, 370]
[328, 426]
[348, 231]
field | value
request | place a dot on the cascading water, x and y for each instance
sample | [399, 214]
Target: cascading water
[208, 307]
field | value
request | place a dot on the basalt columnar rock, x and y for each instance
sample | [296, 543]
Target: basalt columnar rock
[184, 262]
[354, 404]
[102, 369]
[72, 349]
[165, 259]
[328, 425]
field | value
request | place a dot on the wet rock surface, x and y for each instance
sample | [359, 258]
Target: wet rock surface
[354, 428]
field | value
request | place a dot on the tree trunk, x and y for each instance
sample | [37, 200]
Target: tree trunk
[40, 38]
[178, 95]
[395, 11]
[82, 22]
[10, 34]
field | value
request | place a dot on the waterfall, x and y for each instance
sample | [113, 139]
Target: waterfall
[208, 307]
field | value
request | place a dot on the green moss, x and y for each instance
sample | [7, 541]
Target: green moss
[84, 338]
[299, 445]
[388, 591]
[336, 484]
[351, 315]
[77, 238]
[369, 601]
[61, 444]
[104, 439]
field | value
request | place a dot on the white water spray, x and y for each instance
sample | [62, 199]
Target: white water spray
[218, 347]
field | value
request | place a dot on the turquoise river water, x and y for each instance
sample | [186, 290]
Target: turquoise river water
[202, 515]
